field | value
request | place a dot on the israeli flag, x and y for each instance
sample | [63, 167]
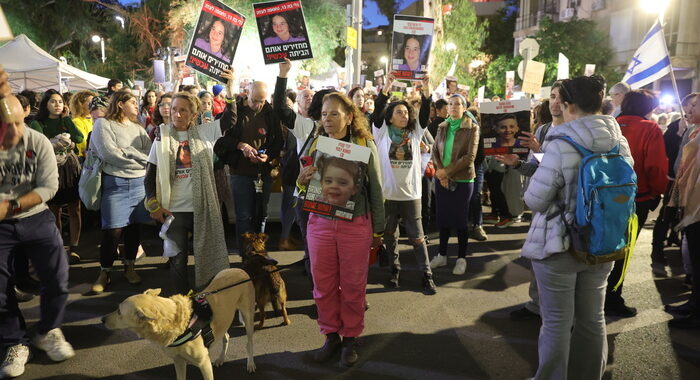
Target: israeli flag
[651, 61]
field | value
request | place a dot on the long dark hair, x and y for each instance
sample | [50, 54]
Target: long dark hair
[585, 92]
[390, 112]
[144, 101]
[293, 24]
[225, 42]
[157, 118]
[43, 113]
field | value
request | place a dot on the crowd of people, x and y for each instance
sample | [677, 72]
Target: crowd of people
[187, 158]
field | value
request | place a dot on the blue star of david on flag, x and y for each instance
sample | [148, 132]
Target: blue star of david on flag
[651, 61]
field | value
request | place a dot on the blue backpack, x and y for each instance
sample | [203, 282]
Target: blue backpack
[605, 227]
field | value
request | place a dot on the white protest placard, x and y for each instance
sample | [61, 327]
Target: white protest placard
[282, 30]
[378, 73]
[534, 74]
[563, 67]
[480, 94]
[590, 69]
[410, 46]
[545, 91]
[5, 32]
[510, 83]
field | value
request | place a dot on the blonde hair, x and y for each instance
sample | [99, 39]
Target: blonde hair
[195, 104]
[359, 126]
[77, 103]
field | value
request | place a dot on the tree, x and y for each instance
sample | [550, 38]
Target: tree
[461, 28]
[578, 40]
[325, 21]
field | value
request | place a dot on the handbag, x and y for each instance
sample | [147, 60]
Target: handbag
[90, 184]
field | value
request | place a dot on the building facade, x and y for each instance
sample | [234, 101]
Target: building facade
[625, 23]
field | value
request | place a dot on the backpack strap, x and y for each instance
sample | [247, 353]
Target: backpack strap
[579, 148]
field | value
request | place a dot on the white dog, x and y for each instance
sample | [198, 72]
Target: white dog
[165, 321]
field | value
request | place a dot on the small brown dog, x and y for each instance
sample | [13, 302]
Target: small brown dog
[163, 321]
[269, 285]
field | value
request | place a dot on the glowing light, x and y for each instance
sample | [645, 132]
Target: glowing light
[96, 38]
[667, 99]
[654, 6]
[384, 59]
[450, 46]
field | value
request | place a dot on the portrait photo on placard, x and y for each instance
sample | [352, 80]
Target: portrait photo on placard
[282, 30]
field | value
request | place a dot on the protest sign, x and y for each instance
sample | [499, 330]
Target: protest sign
[215, 39]
[411, 46]
[510, 83]
[480, 94]
[562, 67]
[282, 30]
[496, 115]
[342, 168]
[590, 69]
[534, 74]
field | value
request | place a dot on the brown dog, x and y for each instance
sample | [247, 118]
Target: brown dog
[269, 285]
[163, 320]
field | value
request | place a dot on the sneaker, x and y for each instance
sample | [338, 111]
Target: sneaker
[523, 314]
[55, 345]
[505, 222]
[477, 233]
[460, 267]
[348, 356]
[490, 218]
[102, 281]
[394, 280]
[438, 261]
[130, 274]
[329, 348]
[429, 287]
[13, 366]
[73, 256]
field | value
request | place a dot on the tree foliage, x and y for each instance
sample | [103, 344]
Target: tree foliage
[461, 28]
[325, 21]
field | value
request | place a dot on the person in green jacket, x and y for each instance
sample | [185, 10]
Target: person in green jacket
[64, 135]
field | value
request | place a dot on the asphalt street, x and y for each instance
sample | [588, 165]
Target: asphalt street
[463, 332]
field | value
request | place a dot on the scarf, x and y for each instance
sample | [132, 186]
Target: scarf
[452, 127]
[210, 253]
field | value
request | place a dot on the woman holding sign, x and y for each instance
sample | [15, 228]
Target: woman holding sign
[454, 153]
[399, 142]
[339, 249]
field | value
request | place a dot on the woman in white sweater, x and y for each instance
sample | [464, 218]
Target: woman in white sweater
[123, 146]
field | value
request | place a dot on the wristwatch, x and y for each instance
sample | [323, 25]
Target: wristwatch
[15, 207]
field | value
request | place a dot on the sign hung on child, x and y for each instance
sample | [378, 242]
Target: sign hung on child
[283, 32]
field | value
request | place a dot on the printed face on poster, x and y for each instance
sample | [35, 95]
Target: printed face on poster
[342, 169]
[411, 46]
[504, 121]
[282, 31]
[215, 40]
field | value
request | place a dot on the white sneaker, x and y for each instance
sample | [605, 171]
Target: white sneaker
[438, 261]
[55, 345]
[15, 360]
[460, 267]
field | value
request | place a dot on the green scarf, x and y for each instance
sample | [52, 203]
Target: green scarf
[452, 127]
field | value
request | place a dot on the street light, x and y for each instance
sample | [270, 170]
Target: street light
[450, 46]
[120, 19]
[385, 61]
[101, 40]
[655, 7]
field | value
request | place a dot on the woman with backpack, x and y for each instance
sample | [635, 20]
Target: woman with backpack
[64, 135]
[339, 249]
[572, 293]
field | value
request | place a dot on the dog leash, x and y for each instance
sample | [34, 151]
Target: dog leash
[279, 269]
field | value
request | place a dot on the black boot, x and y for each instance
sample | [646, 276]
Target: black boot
[691, 321]
[429, 288]
[394, 280]
[23, 296]
[615, 307]
[329, 348]
[348, 357]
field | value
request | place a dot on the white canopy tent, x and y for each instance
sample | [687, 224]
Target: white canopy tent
[32, 68]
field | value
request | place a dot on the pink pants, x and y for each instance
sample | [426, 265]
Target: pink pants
[339, 253]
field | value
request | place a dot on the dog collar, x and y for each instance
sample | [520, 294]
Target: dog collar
[199, 324]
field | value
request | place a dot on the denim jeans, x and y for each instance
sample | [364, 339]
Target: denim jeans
[251, 208]
[287, 212]
[571, 295]
[39, 238]
[476, 216]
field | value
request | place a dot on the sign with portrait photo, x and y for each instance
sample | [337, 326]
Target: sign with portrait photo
[503, 121]
[282, 30]
[215, 39]
[342, 168]
[410, 46]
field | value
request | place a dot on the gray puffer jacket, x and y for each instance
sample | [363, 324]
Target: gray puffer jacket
[554, 184]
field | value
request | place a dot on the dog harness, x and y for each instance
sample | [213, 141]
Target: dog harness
[199, 323]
